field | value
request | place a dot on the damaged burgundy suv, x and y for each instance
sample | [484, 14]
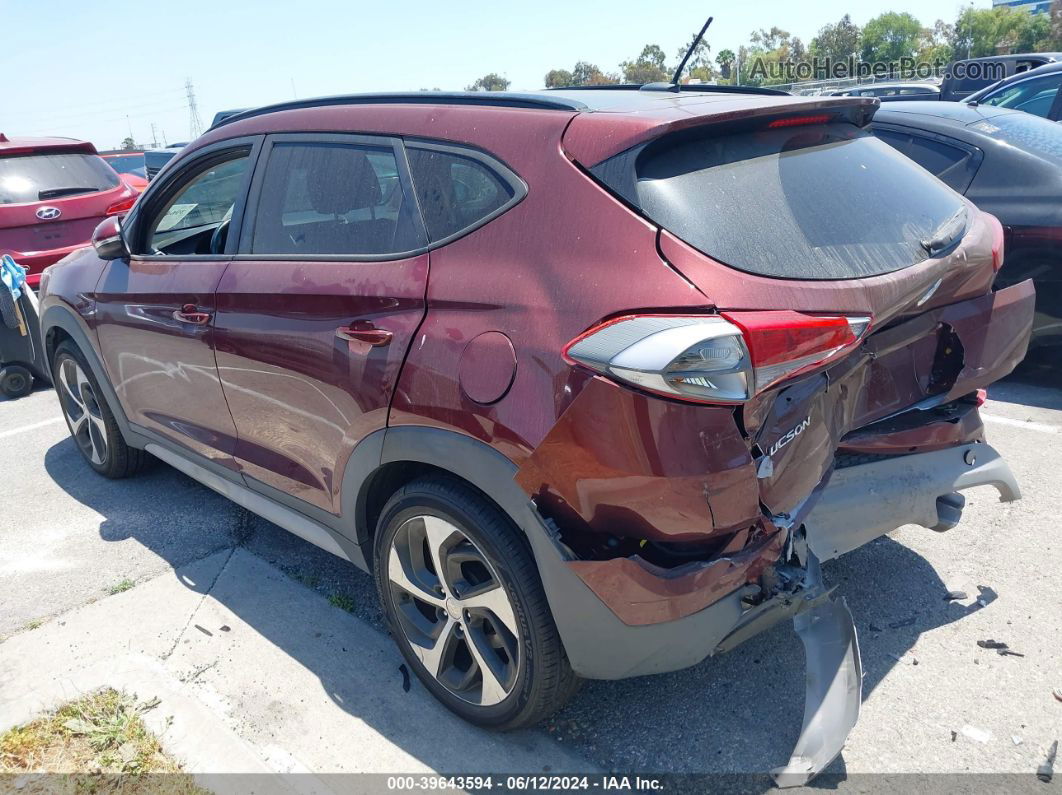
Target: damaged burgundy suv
[592, 380]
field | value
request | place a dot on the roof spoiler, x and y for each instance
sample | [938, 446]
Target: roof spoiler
[48, 145]
[675, 89]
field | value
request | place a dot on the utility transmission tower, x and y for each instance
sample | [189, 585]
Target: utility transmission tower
[195, 127]
[154, 137]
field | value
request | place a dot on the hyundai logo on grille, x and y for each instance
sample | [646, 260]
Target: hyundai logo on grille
[48, 213]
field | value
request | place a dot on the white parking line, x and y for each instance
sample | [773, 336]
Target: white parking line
[1031, 426]
[33, 427]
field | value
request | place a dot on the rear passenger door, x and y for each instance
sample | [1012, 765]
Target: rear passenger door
[317, 309]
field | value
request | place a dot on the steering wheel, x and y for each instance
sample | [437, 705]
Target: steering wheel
[217, 240]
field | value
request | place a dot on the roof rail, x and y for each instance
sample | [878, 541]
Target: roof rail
[498, 99]
[672, 88]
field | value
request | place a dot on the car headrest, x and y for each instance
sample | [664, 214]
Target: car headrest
[340, 180]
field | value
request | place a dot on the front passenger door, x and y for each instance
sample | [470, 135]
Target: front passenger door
[155, 310]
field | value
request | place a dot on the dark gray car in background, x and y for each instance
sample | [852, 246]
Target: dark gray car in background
[1036, 92]
[1009, 163]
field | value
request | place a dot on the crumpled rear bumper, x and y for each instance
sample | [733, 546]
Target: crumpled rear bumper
[866, 501]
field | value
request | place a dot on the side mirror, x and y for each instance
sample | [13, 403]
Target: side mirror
[107, 240]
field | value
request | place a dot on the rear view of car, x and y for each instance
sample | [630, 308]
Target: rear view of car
[53, 193]
[130, 166]
[685, 343]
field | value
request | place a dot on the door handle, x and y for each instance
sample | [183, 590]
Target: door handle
[189, 313]
[364, 331]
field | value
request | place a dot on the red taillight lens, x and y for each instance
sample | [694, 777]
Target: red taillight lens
[122, 206]
[723, 358]
[776, 337]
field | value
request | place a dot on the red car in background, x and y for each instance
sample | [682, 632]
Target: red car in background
[129, 163]
[53, 193]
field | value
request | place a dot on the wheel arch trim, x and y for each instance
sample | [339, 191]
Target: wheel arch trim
[61, 317]
[597, 643]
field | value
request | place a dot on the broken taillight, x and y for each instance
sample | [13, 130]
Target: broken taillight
[725, 358]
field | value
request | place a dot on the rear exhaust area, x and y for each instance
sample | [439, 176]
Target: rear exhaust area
[920, 489]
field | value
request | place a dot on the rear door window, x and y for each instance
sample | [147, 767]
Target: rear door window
[804, 202]
[33, 178]
[333, 199]
[458, 192]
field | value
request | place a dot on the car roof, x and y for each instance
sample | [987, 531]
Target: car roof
[24, 145]
[893, 85]
[956, 113]
[611, 98]
[595, 122]
[970, 123]
[1017, 56]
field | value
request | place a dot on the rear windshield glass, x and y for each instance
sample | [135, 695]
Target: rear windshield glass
[1024, 131]
[816, 202]
[32, 178]
[127, 164]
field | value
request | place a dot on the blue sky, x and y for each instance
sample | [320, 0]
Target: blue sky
[79, 69]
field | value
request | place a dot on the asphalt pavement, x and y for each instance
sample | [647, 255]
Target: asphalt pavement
[934, 701]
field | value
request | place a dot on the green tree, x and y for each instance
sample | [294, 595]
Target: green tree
[555, 78]
[935, 46]
[699, 66]
[489, 82]
[764, 62]
[837, 42]
[891, 36]
[1000, 30]
[583, 73]
[587, 74]
[725, 61]
[129, 143]
[649, 67]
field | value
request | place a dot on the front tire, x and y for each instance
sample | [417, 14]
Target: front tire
[89, 418]
[465, 605]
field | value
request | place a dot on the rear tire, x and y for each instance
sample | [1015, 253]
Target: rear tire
[15, 380]
[481, 637]
[89, 418]
[8, 312]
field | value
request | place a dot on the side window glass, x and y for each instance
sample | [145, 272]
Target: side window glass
[333, 198]
[898, 141]
[953, 166]
[455, 192]
[1032, 96]
[195, 220]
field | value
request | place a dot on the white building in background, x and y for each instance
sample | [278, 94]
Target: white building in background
[1032, 6]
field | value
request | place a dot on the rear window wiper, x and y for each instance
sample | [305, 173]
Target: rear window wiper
[947, 234]
[53, 193]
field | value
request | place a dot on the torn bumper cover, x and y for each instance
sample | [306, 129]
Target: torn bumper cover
[833, 685]
[920, 489]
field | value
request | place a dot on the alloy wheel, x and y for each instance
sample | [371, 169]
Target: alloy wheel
[83, 413]
[453, 610]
